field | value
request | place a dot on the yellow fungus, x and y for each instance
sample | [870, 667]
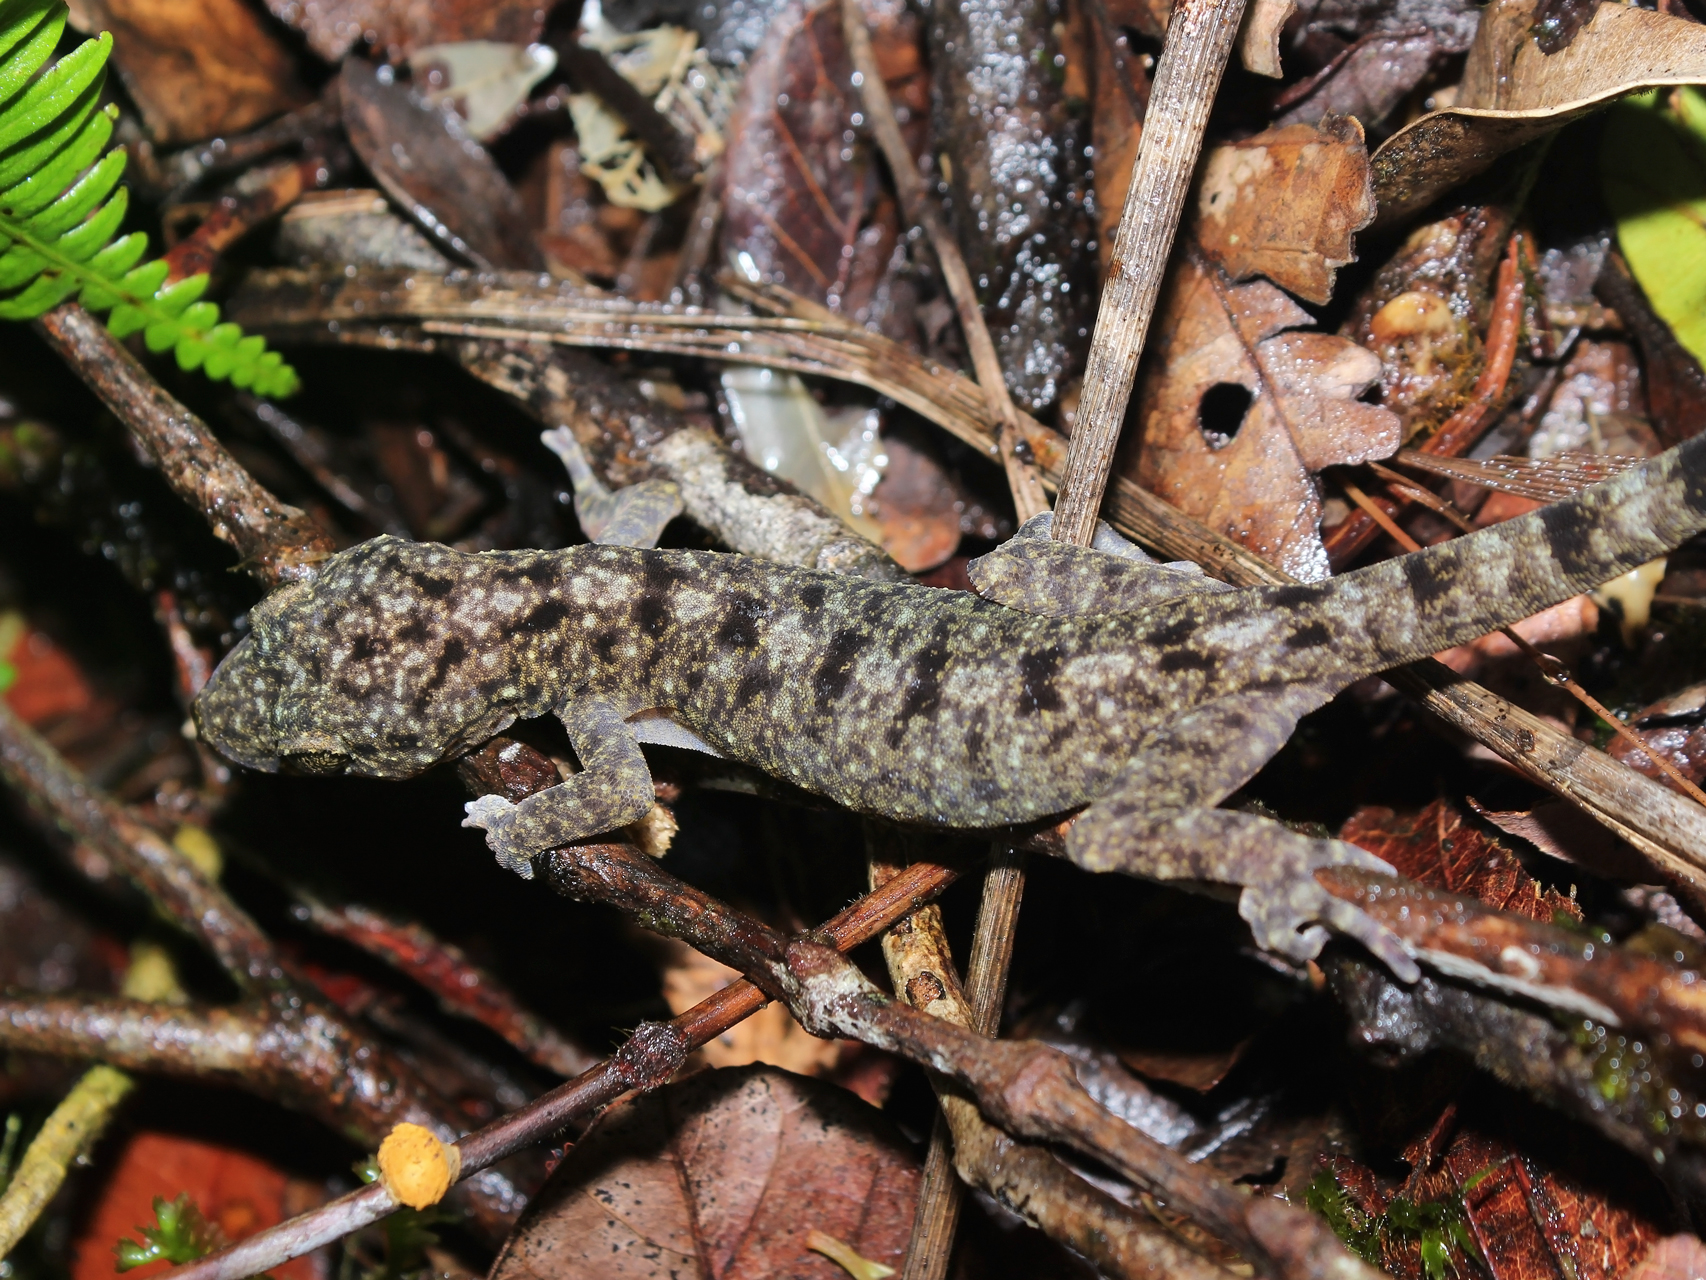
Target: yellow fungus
[417, 1168]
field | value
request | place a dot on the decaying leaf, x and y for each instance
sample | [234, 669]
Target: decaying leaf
[1116, 121]
[426, 162]
[1673, 1258]
[1284, 204]
[1238, 413]
[399, 27]
[1439, 848]
[484, 80]
[724, 1176]
[1258, 42]
[195, 67]
[1370, 54]
[804, 206]
[1512, 92]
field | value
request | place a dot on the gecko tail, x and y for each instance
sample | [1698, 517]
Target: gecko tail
[1407, 608]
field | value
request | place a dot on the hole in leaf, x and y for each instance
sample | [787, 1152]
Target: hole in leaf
[1221, 412]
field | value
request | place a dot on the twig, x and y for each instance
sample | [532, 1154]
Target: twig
[34, 769]
[1026, 1178]
[592, 73]
[1200, 35]
[1022, 479]
[461, 986]
[278, 543]
[234, 216]
[70, 1131]
[1027, 1088]
[649, 1057]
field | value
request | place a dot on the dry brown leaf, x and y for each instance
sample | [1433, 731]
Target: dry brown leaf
[399, 27]
[721, 1177]
[1116, 128]
[1512, 93]
[195, 67]
[1219, 347]
[1284, 204]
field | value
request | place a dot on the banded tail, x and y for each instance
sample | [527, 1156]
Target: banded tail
[1407, 608]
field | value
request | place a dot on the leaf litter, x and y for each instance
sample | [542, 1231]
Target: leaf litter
[1386, 262]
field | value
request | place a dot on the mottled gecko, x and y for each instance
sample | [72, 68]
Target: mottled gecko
[1076, 677]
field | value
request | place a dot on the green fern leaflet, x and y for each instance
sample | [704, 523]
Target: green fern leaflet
[59, 211]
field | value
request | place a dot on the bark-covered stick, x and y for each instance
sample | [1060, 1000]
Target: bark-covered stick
[1200, 35]
[69, 1132]
[647, 1060]
[278, 543]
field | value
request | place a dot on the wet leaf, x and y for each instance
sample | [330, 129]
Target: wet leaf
[1284, 204]
[1238, 412]
[805, 207]
[195, 67]
[1370, 54]
[484, 80]
[426, 162]
[1441, 849]
[1512, 92]
[399, 27]
[725, 1176]
[235, 1193]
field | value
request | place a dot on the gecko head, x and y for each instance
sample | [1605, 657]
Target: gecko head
[366, 670]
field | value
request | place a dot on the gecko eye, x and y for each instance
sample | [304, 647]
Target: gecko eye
[316, 763]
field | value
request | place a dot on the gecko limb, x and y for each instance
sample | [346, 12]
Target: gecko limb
[630, 517]
[613, 789]
[1157, 821]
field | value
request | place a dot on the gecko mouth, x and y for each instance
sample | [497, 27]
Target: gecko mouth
[315, 763]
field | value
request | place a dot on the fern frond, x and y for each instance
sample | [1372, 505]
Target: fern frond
[61, 206]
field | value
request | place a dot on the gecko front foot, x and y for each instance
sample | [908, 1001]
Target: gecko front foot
[497, 817]
[1287, 908]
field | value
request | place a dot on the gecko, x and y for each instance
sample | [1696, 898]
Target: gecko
[1074, 681]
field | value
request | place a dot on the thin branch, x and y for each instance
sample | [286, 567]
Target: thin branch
[461, 986]
[648, 1059]
[1027, 1088]
[265, 194]
[42, 776]
[69, 1132]
[1200, 35]
[1024, 1177]
[277, 542]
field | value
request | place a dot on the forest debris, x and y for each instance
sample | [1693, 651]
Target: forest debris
[1672, 378]
[1651, 155]
[1370, 54]
[278, 542]
[422, 156]
[232, 1191]
[1673, 1258]
[354, 226]
[1259, 41]
[723, 1174]
[1239, 410]
[1675, 726]
[1512, 92]
[399, 27]
[1284, 204]
[1439, 848]
[1116, 122]
[68, 1133]
[800, 206]
[483, 81]
[195, 68]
